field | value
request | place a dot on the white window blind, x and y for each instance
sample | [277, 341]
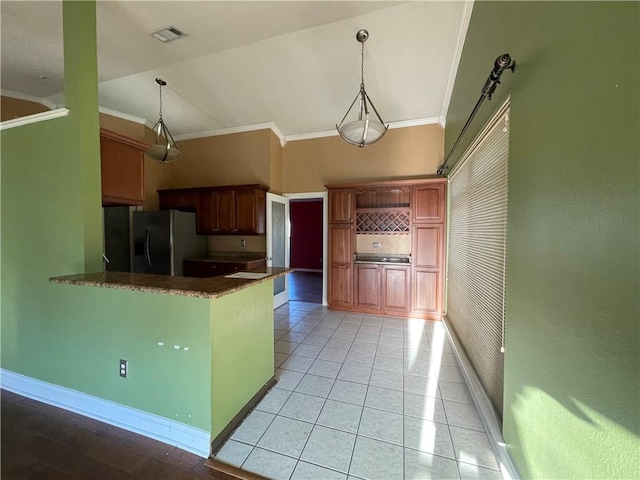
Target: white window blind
[478, 188]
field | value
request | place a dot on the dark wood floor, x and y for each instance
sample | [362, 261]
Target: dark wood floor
[305, 286]
[42, 442]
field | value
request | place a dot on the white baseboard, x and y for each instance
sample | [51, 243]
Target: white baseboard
[183, 436]
[485, 409]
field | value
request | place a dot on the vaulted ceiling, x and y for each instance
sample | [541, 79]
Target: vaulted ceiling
[293, 63]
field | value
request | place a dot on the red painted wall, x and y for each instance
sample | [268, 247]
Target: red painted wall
[306, 233]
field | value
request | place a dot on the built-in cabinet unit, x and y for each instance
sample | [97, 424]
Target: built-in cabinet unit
[410, 285]
[228, 210]
[341, 244]
[122, 169]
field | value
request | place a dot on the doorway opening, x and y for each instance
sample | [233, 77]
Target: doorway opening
[308, 247]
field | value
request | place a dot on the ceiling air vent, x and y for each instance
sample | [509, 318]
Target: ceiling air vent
[168, 34]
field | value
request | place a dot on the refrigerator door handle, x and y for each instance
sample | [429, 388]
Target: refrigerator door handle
[147, 249]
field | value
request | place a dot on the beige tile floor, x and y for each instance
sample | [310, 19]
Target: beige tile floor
[362, 397]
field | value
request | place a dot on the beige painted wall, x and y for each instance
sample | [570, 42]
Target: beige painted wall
[11, 108]
[308, 165]
[235, 159]
[275, 154]
[156, 175]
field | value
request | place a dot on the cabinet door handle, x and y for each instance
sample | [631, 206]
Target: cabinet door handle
[147, 242]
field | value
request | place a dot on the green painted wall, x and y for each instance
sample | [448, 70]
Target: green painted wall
[241, 340]
[572, 319]
[51, 225]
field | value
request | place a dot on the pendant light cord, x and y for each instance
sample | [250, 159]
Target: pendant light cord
[193, 104]
[362, 65]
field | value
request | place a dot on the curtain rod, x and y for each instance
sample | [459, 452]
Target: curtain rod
[502, 63]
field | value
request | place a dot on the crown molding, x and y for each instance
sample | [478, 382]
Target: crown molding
[457, 55]
[35, 118]
[240, 129]
[28, 98]
[392, 125]
[125, 116]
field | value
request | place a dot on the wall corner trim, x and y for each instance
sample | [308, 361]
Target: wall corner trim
[28, 98]
[400, 124]
[183, 436]
[240, 129]
[485, 409]
[467, 9]
[125, 116]
[35, 118]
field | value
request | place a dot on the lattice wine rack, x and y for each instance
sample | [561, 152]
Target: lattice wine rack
[387, 221]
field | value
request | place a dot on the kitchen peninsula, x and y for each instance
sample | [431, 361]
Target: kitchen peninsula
[199, 354]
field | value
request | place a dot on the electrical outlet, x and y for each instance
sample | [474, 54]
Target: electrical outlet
[124, 368]
[377, 244]
[242, 243]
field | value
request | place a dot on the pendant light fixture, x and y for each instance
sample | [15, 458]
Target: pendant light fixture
[365, 130]
[165, 149]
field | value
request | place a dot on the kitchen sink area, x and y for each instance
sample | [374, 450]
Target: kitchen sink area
[392, 259]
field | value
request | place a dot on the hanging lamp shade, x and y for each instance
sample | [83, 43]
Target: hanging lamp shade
[365, 129]
[165, 149]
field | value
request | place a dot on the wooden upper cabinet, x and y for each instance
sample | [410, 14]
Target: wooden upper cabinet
[250, 211]
[225, 211]
[186, 200]
[228, 210]
[341, 206]
[122, 169]
[429, 203]
[216, 213]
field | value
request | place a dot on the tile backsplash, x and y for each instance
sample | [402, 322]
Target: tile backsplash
[398, 244]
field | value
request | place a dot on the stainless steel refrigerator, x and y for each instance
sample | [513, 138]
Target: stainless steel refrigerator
[163, 239]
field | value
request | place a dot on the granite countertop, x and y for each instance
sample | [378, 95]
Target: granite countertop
[227, 259]
[212, 287]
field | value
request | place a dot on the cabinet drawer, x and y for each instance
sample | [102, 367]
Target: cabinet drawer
[195, 268]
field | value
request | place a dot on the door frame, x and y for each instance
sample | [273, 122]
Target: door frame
[324, 196]
[282, 297]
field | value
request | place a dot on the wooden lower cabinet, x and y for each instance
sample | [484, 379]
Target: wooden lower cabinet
[396, 289]
[207, 268]
[383, 289]
[341, 286]
[367, 285]
[427, 292]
